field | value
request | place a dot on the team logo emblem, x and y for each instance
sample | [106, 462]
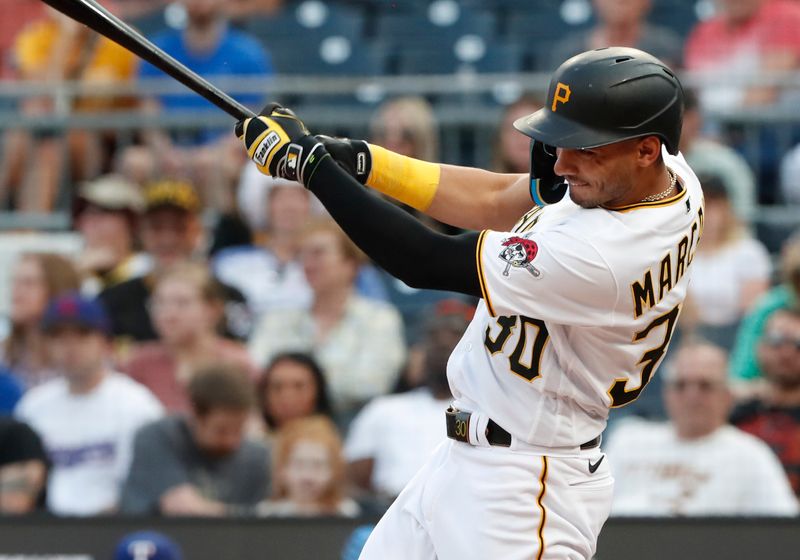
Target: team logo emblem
[519, 252]
[289, 163]
[562, 94]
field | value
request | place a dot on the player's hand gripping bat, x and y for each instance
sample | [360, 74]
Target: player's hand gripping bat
[97, 18]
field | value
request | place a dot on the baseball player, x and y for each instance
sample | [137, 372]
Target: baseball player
[579, 298]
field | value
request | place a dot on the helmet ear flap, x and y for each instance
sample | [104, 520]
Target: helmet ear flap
[545, 186]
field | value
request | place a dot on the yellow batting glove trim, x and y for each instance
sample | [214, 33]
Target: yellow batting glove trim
[411, 181]
[266, 144]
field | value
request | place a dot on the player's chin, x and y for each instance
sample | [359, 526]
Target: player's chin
[583, 198]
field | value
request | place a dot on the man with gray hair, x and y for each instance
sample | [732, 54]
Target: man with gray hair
[696, 463]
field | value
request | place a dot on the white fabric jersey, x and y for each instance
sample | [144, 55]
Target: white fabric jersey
[399, 432]
[88, 439]
[577, 312]
[720, 302]
[727, 472]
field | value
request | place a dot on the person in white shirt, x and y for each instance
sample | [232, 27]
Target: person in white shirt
[713, 308]
[87, 417]
[392, 436]
[696, 464]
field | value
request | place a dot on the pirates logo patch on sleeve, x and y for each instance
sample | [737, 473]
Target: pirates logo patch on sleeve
[519, 252]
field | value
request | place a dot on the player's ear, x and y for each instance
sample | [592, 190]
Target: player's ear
[649, 150]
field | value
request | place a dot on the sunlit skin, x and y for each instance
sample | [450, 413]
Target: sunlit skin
[614, 175]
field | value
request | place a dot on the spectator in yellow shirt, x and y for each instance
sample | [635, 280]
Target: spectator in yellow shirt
[52, 50]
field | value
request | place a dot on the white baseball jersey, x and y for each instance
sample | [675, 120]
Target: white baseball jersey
[577, 313]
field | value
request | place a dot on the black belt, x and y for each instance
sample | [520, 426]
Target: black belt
[458, 422]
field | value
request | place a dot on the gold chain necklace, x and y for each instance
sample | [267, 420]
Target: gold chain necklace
[673, 177]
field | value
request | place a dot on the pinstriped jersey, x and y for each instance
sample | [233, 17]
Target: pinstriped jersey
[577, 312]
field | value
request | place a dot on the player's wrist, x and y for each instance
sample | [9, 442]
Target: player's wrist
[300, 160]
[411, 181]
[353, 156]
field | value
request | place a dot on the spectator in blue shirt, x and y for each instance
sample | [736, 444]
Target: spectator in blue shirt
[209, 157]
[11, 390]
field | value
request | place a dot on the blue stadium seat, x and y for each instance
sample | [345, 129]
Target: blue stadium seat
[150, 24]
[532, 6]
[383, 6]
[404, 29]
[335, 55]
[542, 27]
[467, 53]
[307, 22]
[678, 15]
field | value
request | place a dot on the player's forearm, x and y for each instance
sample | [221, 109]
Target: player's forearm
[475, 199]
[394, 239]
[461, 196]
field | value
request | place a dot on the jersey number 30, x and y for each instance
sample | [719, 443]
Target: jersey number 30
[531, 369]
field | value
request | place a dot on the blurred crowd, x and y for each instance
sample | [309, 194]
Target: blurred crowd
[218, 347]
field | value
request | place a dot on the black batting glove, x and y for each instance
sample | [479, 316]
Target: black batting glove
[546, 187]
[352, 155]
[280, 144]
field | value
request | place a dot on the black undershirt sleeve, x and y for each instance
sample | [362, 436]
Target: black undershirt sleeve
[395, 240]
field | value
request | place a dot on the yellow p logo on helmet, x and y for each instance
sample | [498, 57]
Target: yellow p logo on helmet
[562, 94]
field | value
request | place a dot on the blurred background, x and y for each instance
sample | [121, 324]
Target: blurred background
[191, 347]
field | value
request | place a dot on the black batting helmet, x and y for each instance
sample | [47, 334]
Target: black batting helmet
[607, 95]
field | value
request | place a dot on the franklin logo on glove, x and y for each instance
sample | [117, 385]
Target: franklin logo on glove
[280, 144]
[265, 148]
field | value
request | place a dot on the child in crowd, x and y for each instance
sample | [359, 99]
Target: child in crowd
[308, 474]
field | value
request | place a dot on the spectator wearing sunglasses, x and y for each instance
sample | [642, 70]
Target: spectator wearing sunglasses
[744, 360]
[774, 414]
[696, 464]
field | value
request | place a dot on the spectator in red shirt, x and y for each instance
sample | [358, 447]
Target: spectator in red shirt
[16, 15]
[774, 416]
[745, 38]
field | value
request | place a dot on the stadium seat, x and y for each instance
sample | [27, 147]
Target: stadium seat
[469, 53]
[307, 22]
[541, 28]
[531, 6]
[335, 55]
[153, 23]
[678, 15]
[443, 21]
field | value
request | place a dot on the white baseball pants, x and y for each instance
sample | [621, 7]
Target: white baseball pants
[495, 503]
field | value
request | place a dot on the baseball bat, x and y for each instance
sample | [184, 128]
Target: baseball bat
[97, 18]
